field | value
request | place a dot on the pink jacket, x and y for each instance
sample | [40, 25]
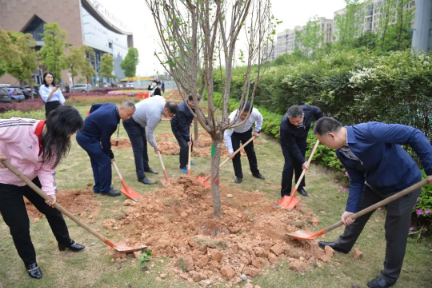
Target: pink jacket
[20, 145]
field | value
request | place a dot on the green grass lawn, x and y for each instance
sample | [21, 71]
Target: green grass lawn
[94, 268]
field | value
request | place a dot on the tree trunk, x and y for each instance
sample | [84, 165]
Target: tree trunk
[215, 188]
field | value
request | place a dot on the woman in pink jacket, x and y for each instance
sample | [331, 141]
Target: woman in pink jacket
[35, 148]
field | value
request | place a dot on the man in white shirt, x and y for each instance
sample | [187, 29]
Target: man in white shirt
[242, 133]
[148, 114]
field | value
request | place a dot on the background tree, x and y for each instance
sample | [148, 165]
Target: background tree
[87, 69]
[130, 62]
[8, 51]
[107, 66]
[75, 60]
[25, 49]
[52, 52]
[349, 24]
[310, 37]
[196, 36]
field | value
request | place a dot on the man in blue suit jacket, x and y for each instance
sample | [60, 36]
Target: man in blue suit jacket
[378, 167]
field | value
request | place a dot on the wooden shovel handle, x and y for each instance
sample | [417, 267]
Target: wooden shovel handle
[382, 203]
[304, 170]
[56, 205]
[238, 150]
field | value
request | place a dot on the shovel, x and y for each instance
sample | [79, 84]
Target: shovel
[166, 180]
[204, 180]
[306, 235]
[119, 247]
[127, 191]
[290, 202]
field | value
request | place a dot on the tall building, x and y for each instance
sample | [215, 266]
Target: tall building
[326, 26]
[85, 21]
[286, 41]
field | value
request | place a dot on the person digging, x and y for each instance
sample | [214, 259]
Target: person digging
[241, 134]
[140, 129]
[95, 139]
[180, 126]
[378, 167]
[293, 132]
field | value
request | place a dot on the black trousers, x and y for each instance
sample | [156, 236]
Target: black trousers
[50, 106]
[291, 165]
[13, 210]
[184, 148]
[398, 220]
[137, 136]
[236, 138]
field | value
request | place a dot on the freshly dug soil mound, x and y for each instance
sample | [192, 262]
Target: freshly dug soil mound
[79, 202]
[177, 222]
[123, 144]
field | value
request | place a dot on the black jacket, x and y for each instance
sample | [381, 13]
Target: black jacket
[101, 124]
[293, 137]
[182, 121]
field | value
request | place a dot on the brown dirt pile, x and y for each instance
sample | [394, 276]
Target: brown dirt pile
[123, 144]
[78, 202]
[177, 222]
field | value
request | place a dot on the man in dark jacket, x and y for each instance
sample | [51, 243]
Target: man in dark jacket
[95, 139]
[180, 125]
[378, 167]
[294, 130]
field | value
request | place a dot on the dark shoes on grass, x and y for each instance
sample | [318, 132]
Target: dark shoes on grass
[238, 180]
[379, 282]
[73, 246]
[322, 245]
[146, 181]
[150, 170]
[34, 271]
[259, 176]
[302, 192]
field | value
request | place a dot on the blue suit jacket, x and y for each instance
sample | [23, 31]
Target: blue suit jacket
[384, 165]
[182, 120]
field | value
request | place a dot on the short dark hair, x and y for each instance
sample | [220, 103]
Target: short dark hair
[172, 107]
[295, 111]
[190, 98]
[61, 123]
[326, 125]
[247, 106]
[44, 82]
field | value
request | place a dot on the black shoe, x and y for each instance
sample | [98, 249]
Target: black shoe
[322, 245]
[112, 192]
[238, 180]
[73, 246]
[150, 170]
[379, 282]
[302, 191]
[34, 271]
[259, 176]
[145, 180]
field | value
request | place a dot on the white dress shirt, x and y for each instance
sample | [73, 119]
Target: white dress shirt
[254, 117]
[56, 96]
[148, 114]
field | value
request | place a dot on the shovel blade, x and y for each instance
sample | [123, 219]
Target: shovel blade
[200, 179]
[207, 184]
[126, 249]
[302, 235]
[288, 202]
[305, 235]
[130, 193]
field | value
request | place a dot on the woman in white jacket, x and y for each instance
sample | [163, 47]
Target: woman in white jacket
[51, 93]
[35, 147]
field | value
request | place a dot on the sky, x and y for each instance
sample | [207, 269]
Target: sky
[139, 21]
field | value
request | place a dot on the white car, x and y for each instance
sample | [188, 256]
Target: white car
[81, 88]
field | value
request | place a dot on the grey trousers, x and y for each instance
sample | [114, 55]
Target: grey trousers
[397, 224]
